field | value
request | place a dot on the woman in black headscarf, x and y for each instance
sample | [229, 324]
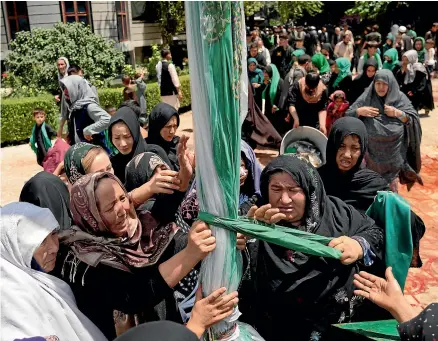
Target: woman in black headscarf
[363, 81]
[48, 191]
[124, 133]
[327, 50]
[163, 123]
[394, 130]
[344, 177]
[296, 293]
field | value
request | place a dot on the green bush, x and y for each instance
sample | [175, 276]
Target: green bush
[17, 119]
[33, 55]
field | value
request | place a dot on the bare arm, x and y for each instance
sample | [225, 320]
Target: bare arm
[177, 267]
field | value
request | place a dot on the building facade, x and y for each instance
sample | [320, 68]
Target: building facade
[131, 24]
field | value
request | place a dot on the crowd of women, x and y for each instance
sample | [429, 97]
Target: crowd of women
[324, 96]
[113, 241]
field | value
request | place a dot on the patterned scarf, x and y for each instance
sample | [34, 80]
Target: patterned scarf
[73, 160]
[319, 90]
[92, 241]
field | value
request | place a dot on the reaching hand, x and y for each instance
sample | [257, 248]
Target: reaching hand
[211, 310]
[88, 137]
[266, 214]
[392, 112]
[367, 112]
[350, 248]
[296, 123]
[164, 181]
[323, 130]
[57, 98]
[385, 293]
[185, 170]
[200, 242]
[241, 242]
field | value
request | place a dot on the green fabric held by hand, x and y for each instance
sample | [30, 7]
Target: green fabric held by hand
[46, 141]
[344, 66]
[374, 330]
[289, 238]
[393, 54]
[391, 211]
[320, 61]
[274, 84]
[421, 53]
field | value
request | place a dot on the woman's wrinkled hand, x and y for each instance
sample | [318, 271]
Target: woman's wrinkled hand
[211, 310]
[200, 242]
[350, 248]
[367, 112]
[266, 214]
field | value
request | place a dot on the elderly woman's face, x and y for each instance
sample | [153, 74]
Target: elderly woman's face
[46, 253]
[61, 65]
[121, 138]
[115, 208]
[169, 130]
[287, 196]
[381, 88]
[348, 153]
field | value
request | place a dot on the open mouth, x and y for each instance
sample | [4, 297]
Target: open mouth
[286, 209]
[345, 163]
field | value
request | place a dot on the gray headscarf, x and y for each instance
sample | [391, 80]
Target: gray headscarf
[393, 149]
[413, 66]
[79, 92]
[67, 65]
[394, 30]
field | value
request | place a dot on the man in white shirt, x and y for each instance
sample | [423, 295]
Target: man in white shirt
[170, 87]
[264, 51]
[345, 48]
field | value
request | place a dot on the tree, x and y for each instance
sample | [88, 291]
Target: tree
[373, 9]
[33, 55]
[286, 9]
[172, 20]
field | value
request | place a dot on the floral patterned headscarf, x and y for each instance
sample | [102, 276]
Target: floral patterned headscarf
[92, 241]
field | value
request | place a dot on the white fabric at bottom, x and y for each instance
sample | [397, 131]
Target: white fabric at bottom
[171, 100]
[34, 303]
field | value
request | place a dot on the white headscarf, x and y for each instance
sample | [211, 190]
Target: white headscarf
[67, 65]
[34, 303]
[413, 66]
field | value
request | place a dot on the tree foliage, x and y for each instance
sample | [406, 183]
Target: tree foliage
[172, 20]
[373, 9]
[33, 55]
[286, 9]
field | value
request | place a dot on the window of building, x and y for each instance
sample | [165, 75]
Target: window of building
[75, 11]
[18, 19]
[146, 11]
[122, 20]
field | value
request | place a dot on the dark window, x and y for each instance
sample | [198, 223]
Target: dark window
[17, 17]
[146, 11]
[75, 11]
[122, 20]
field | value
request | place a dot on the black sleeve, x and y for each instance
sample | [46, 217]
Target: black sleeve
[419, 83]
[293, 95]
[50, 131]
[278, 97]
[422, 327]
[166, 205]
[323, 101]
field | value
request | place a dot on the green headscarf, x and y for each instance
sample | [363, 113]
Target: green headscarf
[412, 34]
[73, 160]
[255, 76]
[298, 52]
[320, 61]
[272, 71]
[393, 54]
[422, 53]
[46, 141]
[386, 47]
[344, 66]
[376, 57]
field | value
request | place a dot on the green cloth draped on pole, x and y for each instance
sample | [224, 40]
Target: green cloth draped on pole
[218, 78]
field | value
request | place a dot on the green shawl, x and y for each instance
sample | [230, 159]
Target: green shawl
[275, 79]
[391, 211]
[376, 57]
[393, 54]
[46, 141]
[344, 66]
[386, 47]
[321, 63]
[422, 53]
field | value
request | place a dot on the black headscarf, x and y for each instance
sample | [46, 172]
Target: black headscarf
[158, 331]
[141, 169]
[119, 161]
[160, 115]
[394, 147]
[315, 291]
[329, 48]
[361, 82]
[357, 187]
[48, 191]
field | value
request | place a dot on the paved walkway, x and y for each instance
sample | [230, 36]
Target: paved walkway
[18, 164]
